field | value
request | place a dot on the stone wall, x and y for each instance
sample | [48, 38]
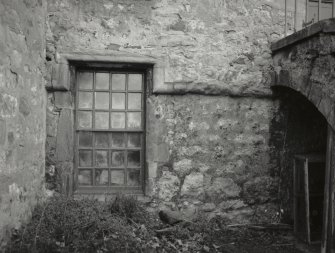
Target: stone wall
[218, 156]
[210, 153]
[22, 109]
[304, 62]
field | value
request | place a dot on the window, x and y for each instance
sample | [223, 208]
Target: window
[326, 10]
[110, 108]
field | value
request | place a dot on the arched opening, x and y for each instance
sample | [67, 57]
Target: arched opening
[299, 133]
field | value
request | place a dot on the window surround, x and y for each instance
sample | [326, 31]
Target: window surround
[60, 82]
[60, 79]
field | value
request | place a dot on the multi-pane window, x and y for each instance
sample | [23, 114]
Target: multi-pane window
[314, 7]
[109, 129]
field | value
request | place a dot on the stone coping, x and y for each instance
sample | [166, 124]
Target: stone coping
[323, 26]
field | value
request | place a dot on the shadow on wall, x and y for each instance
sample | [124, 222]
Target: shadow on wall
[298, 128]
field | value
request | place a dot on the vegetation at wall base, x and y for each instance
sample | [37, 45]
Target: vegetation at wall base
[65, 225]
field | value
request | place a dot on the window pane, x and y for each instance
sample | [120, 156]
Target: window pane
[85, 177]
[134, 101]
[101, 159]
[134, 120]
[85, 139]
[102, 100]
[118, 140]
[101, 177]
[101, 120]
[117, 177]
[135, 82]
[118, 82]
[134, 140]
[101, 140]
[85, 119]
[118, 119]
[118, 101]
[85, 80]
[102, 81]
[134, 178]
[117, 158]
[134, 158]
[85, 158]
[85, 100]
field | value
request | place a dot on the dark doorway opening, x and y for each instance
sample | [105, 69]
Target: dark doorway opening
[299, 134]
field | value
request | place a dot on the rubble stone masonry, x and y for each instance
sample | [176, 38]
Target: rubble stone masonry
[215, 132]
[22, 109]
[208, 120]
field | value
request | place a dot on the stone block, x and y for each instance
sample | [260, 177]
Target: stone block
[60, 77]
[8, 105]
[260, 190]
[63, 99]
[64, 142]
[331, 117]
[232, 205]
[222, 188]
[284, 78]
[240, 216]
[325, 106]
[315, 94]
[152, 169]
[24, 106]
[162, 153]
[3, 132]
[168, 186]
[208, 207]
[193, 185]
[65, 171]
[183, 167]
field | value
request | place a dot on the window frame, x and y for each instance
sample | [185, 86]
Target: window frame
[146, 71]
[309, 20]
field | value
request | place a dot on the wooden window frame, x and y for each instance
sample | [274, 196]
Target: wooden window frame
[128, 68]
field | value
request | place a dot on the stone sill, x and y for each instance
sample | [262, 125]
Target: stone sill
[323, 26]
